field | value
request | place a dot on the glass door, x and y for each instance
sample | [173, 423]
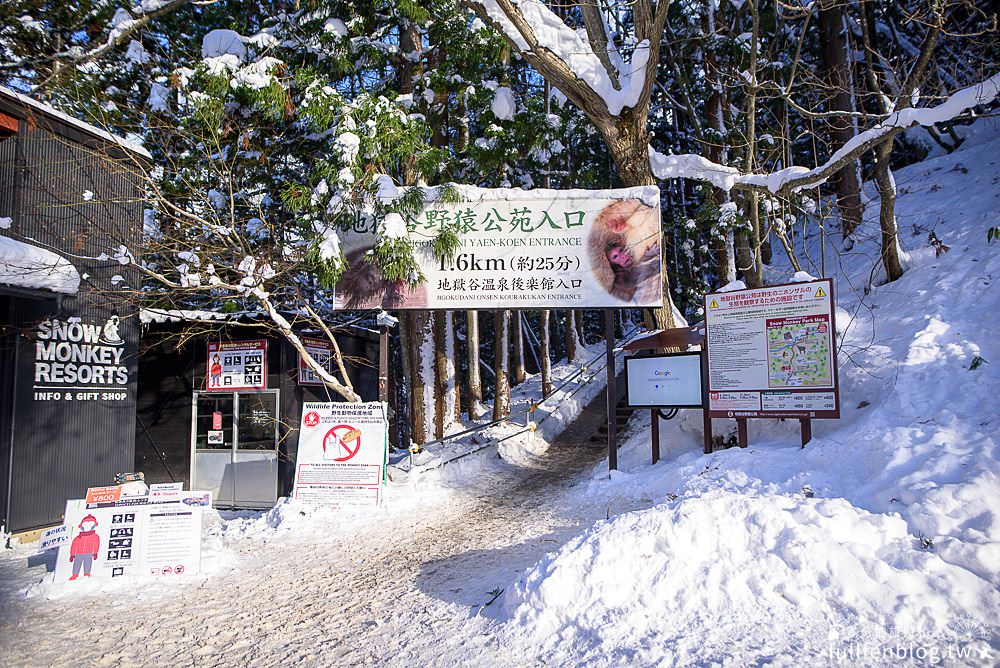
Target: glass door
[213, 438]
[234, 447]
[255, 457]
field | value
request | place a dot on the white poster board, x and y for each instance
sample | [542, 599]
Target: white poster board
[519, 249]
[53, 537]
[663, 381]
[236, 365]
[133, 537]
[772, 352]
[342, 453]
[321, 350]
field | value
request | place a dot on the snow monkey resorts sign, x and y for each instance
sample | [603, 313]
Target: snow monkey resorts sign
[80, 361]
[519, 249]
[771, 352]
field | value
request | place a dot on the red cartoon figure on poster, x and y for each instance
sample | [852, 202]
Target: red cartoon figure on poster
[215, 372]
[83, 551]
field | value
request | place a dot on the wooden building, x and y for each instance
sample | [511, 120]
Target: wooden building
[69, 204]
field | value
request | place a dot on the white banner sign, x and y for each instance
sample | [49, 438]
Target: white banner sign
[771, 352]
[342, 454]
[134, 536]
[521, 249]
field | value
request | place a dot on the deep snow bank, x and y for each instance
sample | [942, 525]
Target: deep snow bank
[885, 529]
[726, 572]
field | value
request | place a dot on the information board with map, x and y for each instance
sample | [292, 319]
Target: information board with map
[771, 352]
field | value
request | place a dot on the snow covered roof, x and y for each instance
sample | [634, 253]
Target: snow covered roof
[23, 265]
[75, 122]
[159, 316]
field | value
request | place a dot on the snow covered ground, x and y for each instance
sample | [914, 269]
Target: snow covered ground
[877, 544]
[880, 541]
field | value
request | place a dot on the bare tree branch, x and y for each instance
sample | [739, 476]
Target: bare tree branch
[791, 179]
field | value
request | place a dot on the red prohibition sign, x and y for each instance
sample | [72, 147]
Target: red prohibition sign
[343, 436]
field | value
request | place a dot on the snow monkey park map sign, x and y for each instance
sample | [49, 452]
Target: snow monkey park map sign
[520, 249]
[771, 352]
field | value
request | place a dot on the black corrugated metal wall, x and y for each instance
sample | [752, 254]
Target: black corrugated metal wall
[59, 447]
[169, 375]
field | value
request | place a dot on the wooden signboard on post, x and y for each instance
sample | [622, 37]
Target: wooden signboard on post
[771, 353]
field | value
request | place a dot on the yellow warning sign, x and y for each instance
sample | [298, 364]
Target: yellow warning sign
[714, 304]
[819, 292]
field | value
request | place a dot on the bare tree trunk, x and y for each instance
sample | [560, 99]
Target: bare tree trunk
[746, 247]
[445, 385]
[455, 405]
[833, 50]
[572, 339]
[412, 325]
[406, 346]
[546, 362]
[501, 388]
[410, 40]
[722, 249]
[887, 211]
[748, 252]
[517, 333]
[424, 404]
[883, 152]
[662, 318]
[475, 391]
[440, 380]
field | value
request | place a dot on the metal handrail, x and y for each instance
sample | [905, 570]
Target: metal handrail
[532, 407]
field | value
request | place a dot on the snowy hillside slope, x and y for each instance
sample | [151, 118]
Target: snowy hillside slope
[881, 537]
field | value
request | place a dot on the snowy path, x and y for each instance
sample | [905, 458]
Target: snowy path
[403, 589]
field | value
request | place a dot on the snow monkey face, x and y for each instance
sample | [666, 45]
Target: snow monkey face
[628, 216]
[619, 256]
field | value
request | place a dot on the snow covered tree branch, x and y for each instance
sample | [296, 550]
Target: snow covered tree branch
[124, 25]
[591, 72]
[792, 179]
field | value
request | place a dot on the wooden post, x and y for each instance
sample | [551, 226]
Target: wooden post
[741, 432]
[706, 420]
[654, 415]
[609, 347]
[806, 427]
[383, 363]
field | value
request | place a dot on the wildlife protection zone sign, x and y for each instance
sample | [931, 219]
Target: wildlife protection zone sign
[342, 454]
[518, 249]
[772, 352]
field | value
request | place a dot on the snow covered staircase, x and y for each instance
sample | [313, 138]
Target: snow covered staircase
[622, 415]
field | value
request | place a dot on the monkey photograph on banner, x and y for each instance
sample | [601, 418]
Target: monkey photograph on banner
[517, 249]
[624, 245]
